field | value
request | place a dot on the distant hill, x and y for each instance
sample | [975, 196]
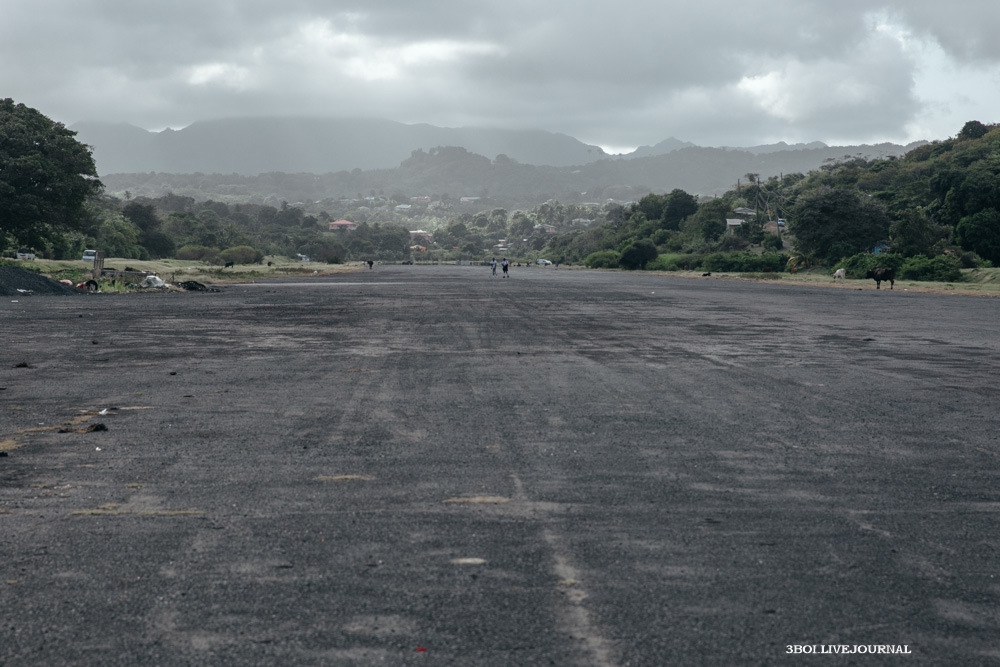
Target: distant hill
[251, 146]
[668, 145]
[457, 172]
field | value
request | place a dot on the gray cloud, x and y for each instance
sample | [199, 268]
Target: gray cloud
[627, 73]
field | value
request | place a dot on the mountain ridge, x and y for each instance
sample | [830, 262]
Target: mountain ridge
[251, 146]
[457, 172]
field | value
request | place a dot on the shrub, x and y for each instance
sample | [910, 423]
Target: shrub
[732, 242]
[744, 262]
[970, 260]
[637, 255]
[241, 254]
[859, 265]
[603, 259]
[197, 253]
[661, 263]
[943, 268]
[772, 242]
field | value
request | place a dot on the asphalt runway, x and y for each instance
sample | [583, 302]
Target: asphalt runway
[430, 465]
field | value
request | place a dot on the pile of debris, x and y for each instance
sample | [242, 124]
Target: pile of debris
[15, 281]
[195, 286]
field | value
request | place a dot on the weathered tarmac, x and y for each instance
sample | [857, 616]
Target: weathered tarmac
[430, 465]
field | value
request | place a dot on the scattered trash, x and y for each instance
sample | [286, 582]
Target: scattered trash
[195, 286]
[152, 281]
[25, 291]
[90, 286]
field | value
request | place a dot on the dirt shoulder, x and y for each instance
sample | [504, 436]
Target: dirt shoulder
[987, 289]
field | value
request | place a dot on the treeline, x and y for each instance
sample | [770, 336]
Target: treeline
[174, 226]
[928, 214]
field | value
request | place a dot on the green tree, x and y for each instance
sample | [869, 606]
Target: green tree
[119, 237]
[157, 243]
[828, 222]
[241, 254]
[521, 226]
[916, 234]
[638, 254]
[981, 233]
[142, 216]
[679, 205]
[391, 241]
[603, 259]
[709, 222]
[498, 221]
[973, 130]
[327, 248]
[46, 176]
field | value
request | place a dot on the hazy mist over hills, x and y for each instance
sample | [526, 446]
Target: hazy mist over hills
[349, 156]
[252, 146]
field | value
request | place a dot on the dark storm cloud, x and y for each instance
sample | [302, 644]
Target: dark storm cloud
[625, 73]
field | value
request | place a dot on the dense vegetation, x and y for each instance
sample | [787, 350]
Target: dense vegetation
[928, 214]
[46, 176]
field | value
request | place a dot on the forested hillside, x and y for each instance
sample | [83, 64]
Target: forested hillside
[929, 213]
[457, 172]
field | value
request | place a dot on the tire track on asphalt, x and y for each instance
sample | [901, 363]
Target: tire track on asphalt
[576, 618]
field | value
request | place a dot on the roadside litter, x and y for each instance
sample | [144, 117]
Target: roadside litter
[195, 286]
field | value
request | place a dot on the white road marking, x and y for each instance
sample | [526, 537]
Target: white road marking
[576, 618]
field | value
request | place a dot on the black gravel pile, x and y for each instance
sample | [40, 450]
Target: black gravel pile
[13, 278]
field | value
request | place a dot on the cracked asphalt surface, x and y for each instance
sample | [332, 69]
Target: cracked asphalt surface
[429, 465]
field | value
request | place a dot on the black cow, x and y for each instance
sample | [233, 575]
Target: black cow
[878, 275]
[228, 265]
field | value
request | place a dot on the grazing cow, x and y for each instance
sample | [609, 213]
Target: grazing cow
[228, 265]
[878, 275]
[840, 274]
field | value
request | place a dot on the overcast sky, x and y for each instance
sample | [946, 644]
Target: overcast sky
[616, 73]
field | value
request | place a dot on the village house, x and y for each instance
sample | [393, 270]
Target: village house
[420, 236]
[343, 225]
